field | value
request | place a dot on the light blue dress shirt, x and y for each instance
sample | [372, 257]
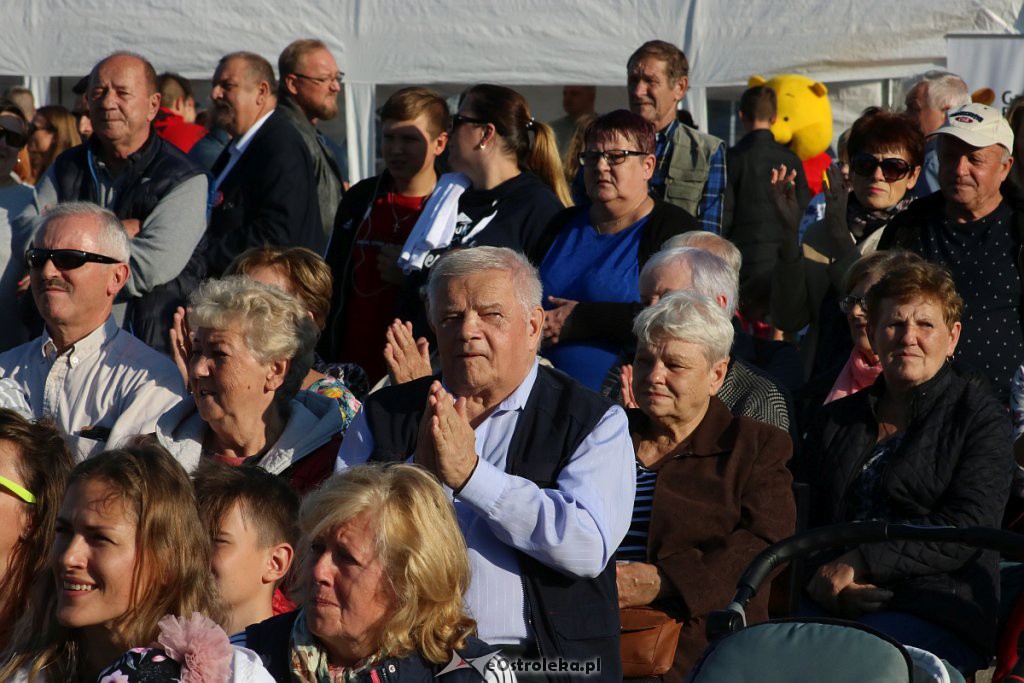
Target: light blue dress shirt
[574, 528]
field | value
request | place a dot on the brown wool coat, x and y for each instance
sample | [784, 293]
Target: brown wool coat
[721, 497]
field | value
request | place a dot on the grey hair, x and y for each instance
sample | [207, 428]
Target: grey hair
[708, 241]
[275, 326]
[946, 91]
[689, 317]
[523, 276]
[710, 274]
[112, 238]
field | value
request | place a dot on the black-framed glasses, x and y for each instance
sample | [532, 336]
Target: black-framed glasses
[614, 157]
[893, 168]
[847, 303]
[338, 78]
[64, 259]
[459, 119]
[13, 138]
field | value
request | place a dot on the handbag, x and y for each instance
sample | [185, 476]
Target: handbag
[648, 641]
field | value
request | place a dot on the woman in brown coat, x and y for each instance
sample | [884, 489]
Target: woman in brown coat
[713, 490]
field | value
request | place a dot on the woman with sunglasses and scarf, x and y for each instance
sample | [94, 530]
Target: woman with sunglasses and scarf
[886, 151]
[15, 196]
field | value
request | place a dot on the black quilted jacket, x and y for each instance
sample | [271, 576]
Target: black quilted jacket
[953, 468]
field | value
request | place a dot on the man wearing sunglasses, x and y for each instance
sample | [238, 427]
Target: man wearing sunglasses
[97, 381]
[307, 93]
[970, 229]
[150, 185]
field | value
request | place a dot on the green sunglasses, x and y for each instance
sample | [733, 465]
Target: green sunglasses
[18, 490]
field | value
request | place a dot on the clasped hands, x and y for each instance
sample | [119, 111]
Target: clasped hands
[839, 587]
[446, 444]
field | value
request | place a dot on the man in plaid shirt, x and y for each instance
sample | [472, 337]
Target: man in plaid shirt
[690, 172]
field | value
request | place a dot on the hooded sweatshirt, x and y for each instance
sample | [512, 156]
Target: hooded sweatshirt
[313, 423]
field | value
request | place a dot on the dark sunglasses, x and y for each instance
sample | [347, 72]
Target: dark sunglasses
[64, 259]
[459, 119]
[847, 303]
[13, 138]
[614, 157]
[893, 168]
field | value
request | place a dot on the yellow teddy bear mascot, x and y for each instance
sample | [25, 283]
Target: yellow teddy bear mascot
[804, 122]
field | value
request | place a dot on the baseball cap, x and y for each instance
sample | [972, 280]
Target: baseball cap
[979, 126]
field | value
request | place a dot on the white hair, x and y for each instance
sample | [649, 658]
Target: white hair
[689, 317]
[111, 237]
[946, 91]
[710, 274]
[523, 277]
[708, 241]
[274, 325]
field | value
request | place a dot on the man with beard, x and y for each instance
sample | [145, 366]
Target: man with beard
[310, 83]
[264, 189]
[150, 185]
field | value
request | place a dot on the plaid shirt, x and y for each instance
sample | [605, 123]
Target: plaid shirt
[712, 202]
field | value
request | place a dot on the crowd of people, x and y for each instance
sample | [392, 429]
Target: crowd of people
[527, 386]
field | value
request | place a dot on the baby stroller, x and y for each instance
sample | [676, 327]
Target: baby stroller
[826, 650]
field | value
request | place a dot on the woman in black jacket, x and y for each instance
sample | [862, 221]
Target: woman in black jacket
[921, 446]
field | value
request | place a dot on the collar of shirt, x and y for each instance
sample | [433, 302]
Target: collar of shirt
[238, 146]
[84, 347]
[664, 135]
[517, 399]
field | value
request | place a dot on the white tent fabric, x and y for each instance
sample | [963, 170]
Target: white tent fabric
[518, 42]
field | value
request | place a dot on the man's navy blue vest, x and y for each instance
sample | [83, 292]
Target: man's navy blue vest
[152, 172]
[569, 617]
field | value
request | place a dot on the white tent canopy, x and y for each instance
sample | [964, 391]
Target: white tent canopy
[516, 42]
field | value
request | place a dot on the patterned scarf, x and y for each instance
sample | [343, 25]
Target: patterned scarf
[309, 659]
[863, 221]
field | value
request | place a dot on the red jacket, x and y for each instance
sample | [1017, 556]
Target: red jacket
[176, 130]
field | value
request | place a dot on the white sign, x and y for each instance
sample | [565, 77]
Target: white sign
[988, 61]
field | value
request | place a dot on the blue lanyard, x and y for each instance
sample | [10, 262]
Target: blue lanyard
[92, 172]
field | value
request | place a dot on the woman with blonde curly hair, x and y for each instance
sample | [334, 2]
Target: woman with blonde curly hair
[129, 549]
[381, 583]
[249, 349]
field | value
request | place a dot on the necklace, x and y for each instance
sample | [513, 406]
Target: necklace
[363, 234]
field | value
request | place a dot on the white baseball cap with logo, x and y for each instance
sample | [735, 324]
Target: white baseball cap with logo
[978, 125]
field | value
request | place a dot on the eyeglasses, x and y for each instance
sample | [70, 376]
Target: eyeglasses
[614, 157]
[847, 303]
[459, 119]
[64, 259]
[338, 78]
[893, 168]
[18, 490]
[13, 138]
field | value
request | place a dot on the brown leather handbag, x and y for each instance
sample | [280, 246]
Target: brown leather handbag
[648, 641]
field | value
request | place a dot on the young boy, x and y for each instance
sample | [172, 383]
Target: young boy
[251, 515]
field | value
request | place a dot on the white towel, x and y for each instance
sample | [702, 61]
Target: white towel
[436, 225]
